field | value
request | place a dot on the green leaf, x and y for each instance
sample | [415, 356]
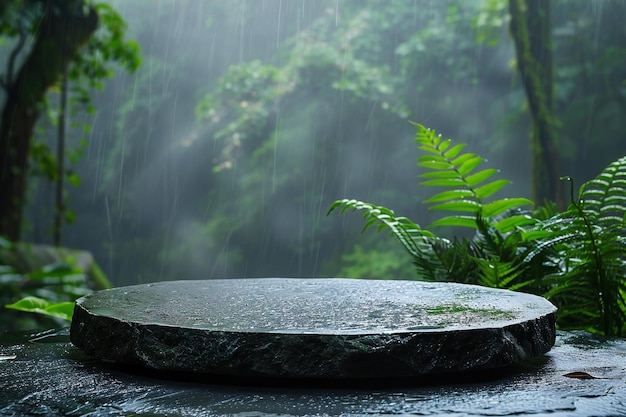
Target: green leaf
[430, 158]
[459, 205]
[463, 159]
[450, 195]
[64, 310]
[429, 149]
[407, 232]
[461, 221]
[443, 145]
[500, 206]
[513, 222]
[454, 151]
[55, 269]
[481, 176]
[469, 165]
[74, 179]
[488, 189]
[495, 273]
[531, 235]
[440, 174]
[450, 182]
[434, 164]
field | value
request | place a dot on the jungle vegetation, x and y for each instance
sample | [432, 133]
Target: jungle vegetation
[576, 258]
[220, 154]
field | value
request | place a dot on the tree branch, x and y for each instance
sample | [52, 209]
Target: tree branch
[8, 79]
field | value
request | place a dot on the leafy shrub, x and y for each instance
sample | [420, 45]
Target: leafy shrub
[39, 286]
[575, 258]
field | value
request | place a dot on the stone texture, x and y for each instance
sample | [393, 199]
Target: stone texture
[313, 328]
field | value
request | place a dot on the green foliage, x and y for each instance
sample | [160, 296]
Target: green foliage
[106, 49]
[348, 75]
[467, 190]
[589, 238]
[408, 233]
[30, 304]
[466, 195]
[48, 290]
[283, 112]
[576, 258]
[377, 263]
[241, 105]
[489, 21]
[589, 74]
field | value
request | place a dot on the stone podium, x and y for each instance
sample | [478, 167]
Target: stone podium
[313, 328]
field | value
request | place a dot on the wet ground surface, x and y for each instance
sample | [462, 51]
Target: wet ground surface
[46, 375]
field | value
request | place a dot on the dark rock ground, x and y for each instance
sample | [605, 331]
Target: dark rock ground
[46, 375]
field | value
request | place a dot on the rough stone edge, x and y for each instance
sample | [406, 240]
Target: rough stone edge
[406, 354]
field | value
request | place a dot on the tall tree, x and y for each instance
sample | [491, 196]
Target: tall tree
[531, 32]
[59, 29]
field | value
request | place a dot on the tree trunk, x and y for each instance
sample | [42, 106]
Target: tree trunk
[64, 28]
[531, 32]
[59, 211]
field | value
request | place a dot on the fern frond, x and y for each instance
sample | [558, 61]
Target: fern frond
[434, 264]
[410, 235]
[456, 260]
[593, 249]
[449, 167]
[551, 234]
[604, 197]
[517, 221]
[424, 247]
[497, 274]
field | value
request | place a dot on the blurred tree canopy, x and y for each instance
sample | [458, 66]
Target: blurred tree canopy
[48, 38]
[220, 156]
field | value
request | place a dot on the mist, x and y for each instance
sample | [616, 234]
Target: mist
[220, 156]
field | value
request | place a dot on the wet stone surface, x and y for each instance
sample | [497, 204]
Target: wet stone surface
[46, 375]
[313, 328]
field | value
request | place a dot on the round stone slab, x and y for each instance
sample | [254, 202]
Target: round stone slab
[313, 328]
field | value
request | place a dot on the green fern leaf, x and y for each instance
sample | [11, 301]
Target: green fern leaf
[449, 195]
[605, 195]
[449, 167]
[434, 164]
[488, 189]
[497, 274]
[468, 166]
[462, 159]
[450, 182]
[498, 207]
[458, 205]
[576, 258]
[454, 151]
[536, 234]
[402, 228]
[508, 224]
[589, 236]
[439, 174]
[456, 221]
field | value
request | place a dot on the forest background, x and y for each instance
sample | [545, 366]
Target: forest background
[220, 155]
